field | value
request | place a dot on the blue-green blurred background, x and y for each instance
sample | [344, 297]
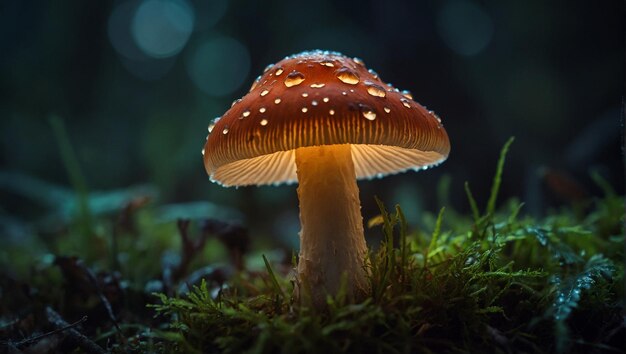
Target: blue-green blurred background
[136, 83]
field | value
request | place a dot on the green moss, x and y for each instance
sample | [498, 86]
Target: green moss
[491, 282]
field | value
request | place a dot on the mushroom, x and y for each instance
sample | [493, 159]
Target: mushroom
[323, 120]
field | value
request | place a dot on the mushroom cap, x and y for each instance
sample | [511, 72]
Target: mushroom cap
[321, 98]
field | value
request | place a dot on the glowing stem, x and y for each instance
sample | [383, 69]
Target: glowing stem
[332, 245]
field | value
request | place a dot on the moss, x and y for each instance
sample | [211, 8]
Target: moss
[496, 284]
[491, 281]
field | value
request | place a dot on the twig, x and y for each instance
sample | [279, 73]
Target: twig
[189, 249]
[28, 341]
[76, 338]
[105, 302]
[74, 269]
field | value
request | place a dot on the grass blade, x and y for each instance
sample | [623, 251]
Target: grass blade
[497, 179]
[72, 166]
[472, 202]
[435, 236]
[273, 279]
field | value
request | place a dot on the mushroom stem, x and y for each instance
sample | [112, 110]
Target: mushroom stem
[332, 245]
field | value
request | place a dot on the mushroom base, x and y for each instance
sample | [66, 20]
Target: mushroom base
[332, 245]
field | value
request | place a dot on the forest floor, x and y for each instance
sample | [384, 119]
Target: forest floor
[494, 281]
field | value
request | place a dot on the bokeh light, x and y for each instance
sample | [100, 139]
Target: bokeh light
[219, 65]
[209, 13]
[149, 34]
[137, 82]
[464, 27]
[161, 28]
[118, 29]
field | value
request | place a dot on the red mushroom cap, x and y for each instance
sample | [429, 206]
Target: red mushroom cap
[321, 98]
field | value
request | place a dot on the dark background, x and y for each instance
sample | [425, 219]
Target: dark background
[137, 82]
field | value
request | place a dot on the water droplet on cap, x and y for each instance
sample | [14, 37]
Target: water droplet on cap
[325, 99]
[267, 68]
[265, 92]
[225, 131]
[407, 94]
[367, 112]
[313, 103]
[304, 94]
[375, 74]
[317, 85]
[263, 122]
[255, 83]
[304, 109]
[359, 61]
[331, 112]
[262, 109]
[387, 109]
[212, 124]
[202, 152]
[246, 113]
[375, 90]
[277, 101]
[432, 113]
[278, 71]
[327, 63]
[294, 78]
[405, 102]
[347, 76]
